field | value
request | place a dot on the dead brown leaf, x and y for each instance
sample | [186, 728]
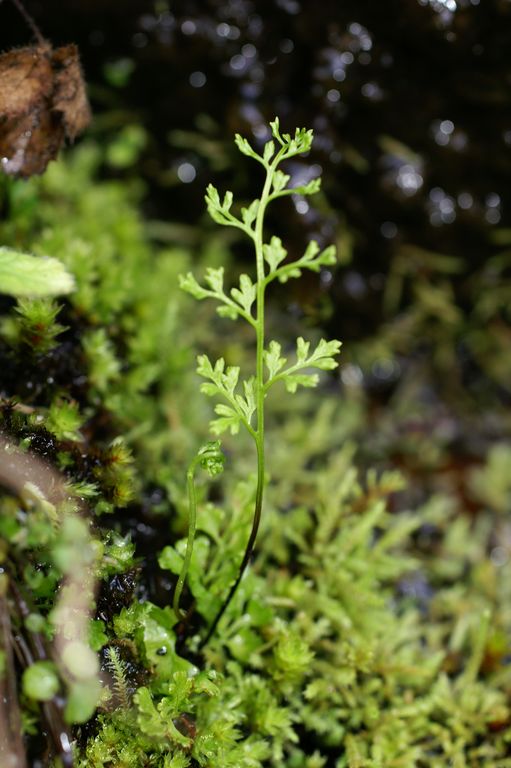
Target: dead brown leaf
[42, 102]
[69, 97]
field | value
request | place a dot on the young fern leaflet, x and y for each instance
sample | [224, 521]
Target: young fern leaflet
[243, 402]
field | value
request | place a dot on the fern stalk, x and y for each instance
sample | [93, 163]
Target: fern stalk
[222, 381]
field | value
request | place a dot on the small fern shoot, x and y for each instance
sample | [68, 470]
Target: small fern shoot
[242, 402]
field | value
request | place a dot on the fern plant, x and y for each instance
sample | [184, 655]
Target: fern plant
[242, 401]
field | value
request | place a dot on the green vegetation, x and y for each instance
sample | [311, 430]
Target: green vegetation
[271, 265]
[370, 630]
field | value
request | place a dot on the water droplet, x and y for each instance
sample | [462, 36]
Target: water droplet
[186, 173]
[139, 40]
[333, 95]
[188, 27]
[355, 284]
[492, 216]
[436, 194]
[223, 29]
[238, 63]
[465, 200]
[148, 22]
[355, 28]
[385, 369]
[351, 375]
[493, 200]
[166, 20]
[290, 6]
[408, 179]
[388, 230]
[197, 79]
[446, 127]
[372, 91]
[286, 45]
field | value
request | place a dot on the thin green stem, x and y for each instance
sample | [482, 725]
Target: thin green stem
[258, 435]
[250, 544]
[192, 525]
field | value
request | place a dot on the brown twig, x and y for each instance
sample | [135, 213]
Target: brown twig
[36, 650]
[18, 471]
[12, 753]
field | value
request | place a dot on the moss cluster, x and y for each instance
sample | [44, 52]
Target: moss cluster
[367, 634]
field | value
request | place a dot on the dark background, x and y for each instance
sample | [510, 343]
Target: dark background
[411, 109]
[434, 76]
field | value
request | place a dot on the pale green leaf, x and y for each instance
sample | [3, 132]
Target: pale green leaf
[218, 217]
[24, 275]
[210, 389]
[294, 380]
[221, 409]
[280, 181]
[245, 294]
[170, 560]
[248, 214]
[212, 197]
[204, 367]
[273, 360]
[275, 129]
[82, 699]
[227, 311]
[216, 209]
[218, 370]
[215, 279]
[301, 142]
[328, 257]
[311, 188]
[269, 150]
[274, 253]
[244, 147]
[228, 419]
[226, 205]
[230, 378]
[323, 354]
[148, 719]
[293, 271]
[302, 349]
[310, 252]
[189, 284]
[247, 404]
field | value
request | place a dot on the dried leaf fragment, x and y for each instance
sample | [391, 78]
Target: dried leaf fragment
[42, 101]
[26, 78]
[69, 98]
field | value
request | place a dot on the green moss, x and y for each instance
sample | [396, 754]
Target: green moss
[371, 630]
